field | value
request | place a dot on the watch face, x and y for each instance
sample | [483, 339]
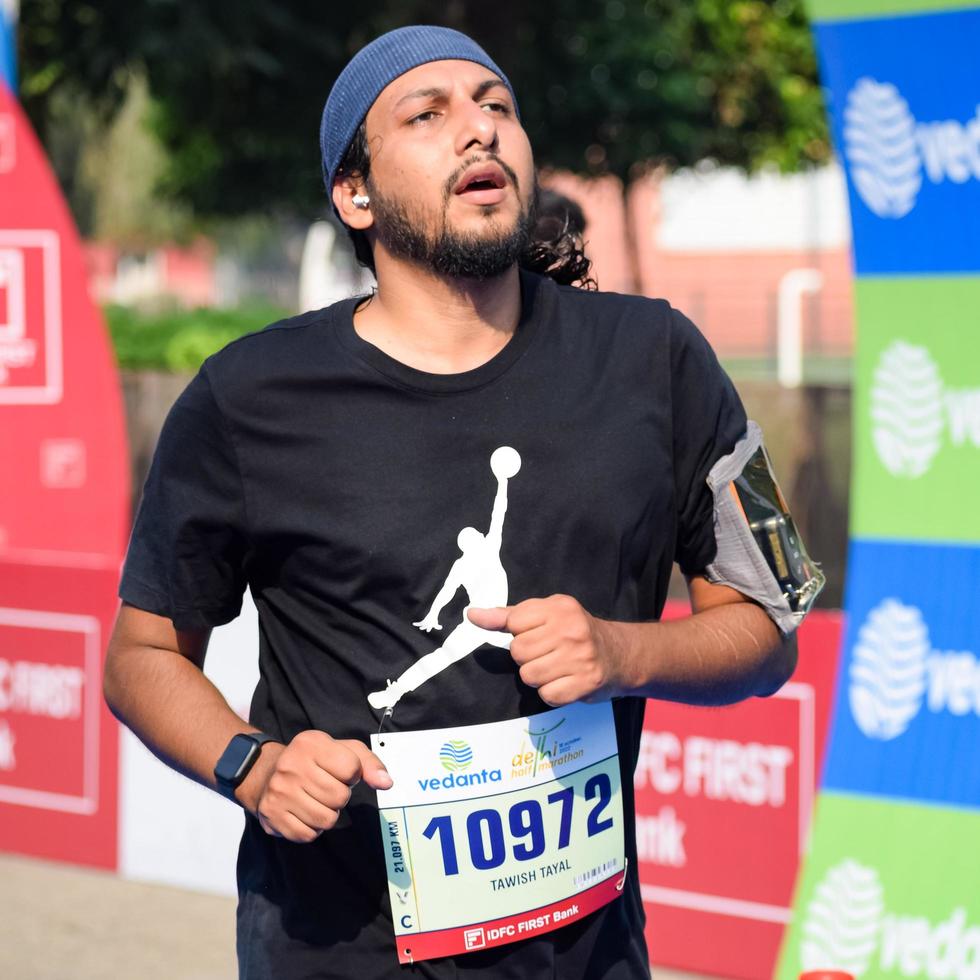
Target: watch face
[236, 760]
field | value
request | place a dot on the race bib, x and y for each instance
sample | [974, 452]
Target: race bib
[495, 833]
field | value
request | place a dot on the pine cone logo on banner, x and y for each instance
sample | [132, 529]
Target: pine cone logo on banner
[906, 409]
[840, 931]
[880, 146]
[888, 669]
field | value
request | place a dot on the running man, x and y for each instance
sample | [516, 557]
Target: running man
[311, 461]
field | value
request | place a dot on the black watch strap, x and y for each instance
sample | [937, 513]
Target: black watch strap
[237, 760]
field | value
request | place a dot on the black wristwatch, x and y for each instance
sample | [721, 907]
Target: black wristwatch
[237, 760]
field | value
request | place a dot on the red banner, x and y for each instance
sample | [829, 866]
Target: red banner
[724, 798]
[64, 483]
[58, 741]
[64, 502]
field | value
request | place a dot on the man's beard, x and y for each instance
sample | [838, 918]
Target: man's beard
[447, 252]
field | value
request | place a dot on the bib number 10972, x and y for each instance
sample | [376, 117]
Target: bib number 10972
[527, 823]
[487, 841]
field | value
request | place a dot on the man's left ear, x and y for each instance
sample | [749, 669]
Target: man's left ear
[351, 199]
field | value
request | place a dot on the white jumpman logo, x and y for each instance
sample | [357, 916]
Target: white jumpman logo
[479, 571]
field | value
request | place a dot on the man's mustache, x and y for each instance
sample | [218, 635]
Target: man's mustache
[457, 174]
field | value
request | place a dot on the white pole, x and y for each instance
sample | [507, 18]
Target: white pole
[316, 287]
[326, 273]
[789, 337]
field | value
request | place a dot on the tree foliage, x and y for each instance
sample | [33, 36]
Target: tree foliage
[604, 85]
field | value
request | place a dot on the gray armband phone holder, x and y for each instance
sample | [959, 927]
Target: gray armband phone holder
[759, 550]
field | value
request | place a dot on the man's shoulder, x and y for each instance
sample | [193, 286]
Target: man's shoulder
[624, 315]
[293, 329]
[633, 328]
[599, 301]
[290, 341]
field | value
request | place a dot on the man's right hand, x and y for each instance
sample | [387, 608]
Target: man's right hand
[297, 791]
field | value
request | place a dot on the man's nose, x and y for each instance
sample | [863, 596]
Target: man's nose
[477, 127]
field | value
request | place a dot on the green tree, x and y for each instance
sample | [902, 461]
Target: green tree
[604, 87]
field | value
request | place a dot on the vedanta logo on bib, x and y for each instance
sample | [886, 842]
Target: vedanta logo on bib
[456, 755]
[889, 152]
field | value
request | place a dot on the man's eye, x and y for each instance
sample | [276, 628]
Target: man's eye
[500, 107]
[421, 117]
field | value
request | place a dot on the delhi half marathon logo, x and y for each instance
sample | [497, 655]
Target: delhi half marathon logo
[456, 755]
[849, 927]
[913, 412]
[888, 151]
[895, 671]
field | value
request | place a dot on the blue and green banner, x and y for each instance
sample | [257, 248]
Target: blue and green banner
[906, 122]
[907, 710]
[891, 882]
[8, 52]
[889, 890]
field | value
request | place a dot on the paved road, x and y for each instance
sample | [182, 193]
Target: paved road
[64, 923]
[59, 922]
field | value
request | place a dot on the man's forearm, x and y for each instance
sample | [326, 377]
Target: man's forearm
[727, 651]
[717, 656]
[154, 683]
[172, 708]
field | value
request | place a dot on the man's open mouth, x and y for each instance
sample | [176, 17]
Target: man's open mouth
[484, 178]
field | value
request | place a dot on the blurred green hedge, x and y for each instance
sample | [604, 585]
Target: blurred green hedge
[179, 340]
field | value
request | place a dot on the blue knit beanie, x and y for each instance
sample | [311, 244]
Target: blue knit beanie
[376, 66]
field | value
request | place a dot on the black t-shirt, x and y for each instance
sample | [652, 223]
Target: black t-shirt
[334, 481]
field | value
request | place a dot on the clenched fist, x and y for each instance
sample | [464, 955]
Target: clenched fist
[298, 790]
[563, 651]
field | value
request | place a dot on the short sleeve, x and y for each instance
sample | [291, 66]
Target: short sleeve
[708, 419]
[187, 552]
